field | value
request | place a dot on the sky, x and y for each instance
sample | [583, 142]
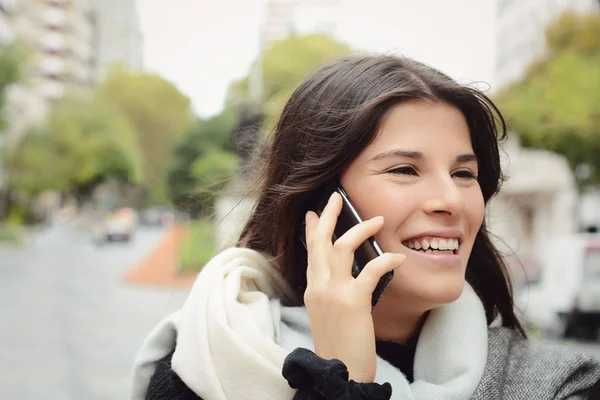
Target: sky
[202, 45]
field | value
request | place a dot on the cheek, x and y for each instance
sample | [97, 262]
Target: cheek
[396, 207]
[475, 210]
[386, 200]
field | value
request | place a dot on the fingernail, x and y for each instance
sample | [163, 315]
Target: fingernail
[307, 216]
[379, 218]
[332, 196]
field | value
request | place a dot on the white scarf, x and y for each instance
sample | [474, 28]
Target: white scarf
[232, 335]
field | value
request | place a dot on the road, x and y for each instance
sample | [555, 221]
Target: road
[70, 325]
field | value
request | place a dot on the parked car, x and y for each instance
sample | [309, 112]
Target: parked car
[118, 225]
[157, 216]
[566, 300]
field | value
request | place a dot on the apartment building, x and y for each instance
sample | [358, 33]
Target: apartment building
[23, 105]
[120, 37]
[63, 36]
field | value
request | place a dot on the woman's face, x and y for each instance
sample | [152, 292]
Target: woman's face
[420, 175]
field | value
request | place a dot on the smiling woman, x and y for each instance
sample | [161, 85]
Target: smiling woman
[419, 173]
[417, 154]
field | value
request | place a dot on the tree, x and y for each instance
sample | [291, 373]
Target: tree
[556, 106]
[211, 173]
[12, 58]
[284, 65]
[204, 138]
[159, 113]
[204, 158]
[83, 143]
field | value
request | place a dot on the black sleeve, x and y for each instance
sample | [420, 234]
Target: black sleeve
[320, 379]
[594, 393]
[165, 384]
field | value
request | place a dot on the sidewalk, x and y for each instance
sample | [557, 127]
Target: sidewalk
[160, 267]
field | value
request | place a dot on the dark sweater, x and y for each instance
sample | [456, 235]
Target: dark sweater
[165, 384]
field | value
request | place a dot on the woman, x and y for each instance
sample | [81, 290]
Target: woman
[270, 319]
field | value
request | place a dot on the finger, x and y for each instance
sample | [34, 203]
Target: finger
[357, 235]
[311, 221]
[328, 220]
[376, 268]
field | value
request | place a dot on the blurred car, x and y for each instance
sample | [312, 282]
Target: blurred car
[157, 216]
[119, 225]
[566, 300]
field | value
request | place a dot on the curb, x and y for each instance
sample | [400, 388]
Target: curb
[159, 267]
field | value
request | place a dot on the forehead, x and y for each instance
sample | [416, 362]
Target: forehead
[429, 127]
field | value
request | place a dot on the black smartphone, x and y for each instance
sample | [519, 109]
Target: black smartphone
[349, 217]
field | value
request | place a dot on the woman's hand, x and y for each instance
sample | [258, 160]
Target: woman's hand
[338, 305]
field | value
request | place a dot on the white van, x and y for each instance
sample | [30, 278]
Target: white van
[566, 300]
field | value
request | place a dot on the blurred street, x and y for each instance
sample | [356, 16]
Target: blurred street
[70, 324]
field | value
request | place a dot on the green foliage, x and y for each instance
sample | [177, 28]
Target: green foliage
[217, 131]
[288, 62]
[159, 114]
[197, 247]
[12, 59]
[284, 65]
[83, 142]
[574, 32]
[11, 233]
[212, 169]
[208, 175]
[557, 104]
[204, 157]
[204, 138]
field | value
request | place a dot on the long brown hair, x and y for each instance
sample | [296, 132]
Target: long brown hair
[329, 119]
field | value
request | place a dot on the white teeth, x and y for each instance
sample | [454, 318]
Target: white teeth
[443, 244]
[433, 244]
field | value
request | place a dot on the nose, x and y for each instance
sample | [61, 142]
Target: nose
[443, 197]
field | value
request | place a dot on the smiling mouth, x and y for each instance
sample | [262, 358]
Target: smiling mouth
[433, 245]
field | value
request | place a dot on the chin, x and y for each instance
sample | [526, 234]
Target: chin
[429, 291]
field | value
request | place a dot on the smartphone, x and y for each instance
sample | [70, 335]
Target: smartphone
[349, 217]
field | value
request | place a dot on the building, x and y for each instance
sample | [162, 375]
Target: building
[23, 104]
[537, 201]
[61, 37]
[589, 210]
[520, 32]
[120, 38]
[287, 17]
[65, 36]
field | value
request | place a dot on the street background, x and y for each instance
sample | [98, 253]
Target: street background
[126, 129]
[70, 324]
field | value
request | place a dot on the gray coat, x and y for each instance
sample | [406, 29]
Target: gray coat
[519, 369]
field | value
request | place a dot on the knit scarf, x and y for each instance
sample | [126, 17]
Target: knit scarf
[232, 335]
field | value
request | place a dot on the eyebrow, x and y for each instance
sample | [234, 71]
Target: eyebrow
[417, 155]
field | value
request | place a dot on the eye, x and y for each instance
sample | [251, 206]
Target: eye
[464, 174]
[405, 170]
